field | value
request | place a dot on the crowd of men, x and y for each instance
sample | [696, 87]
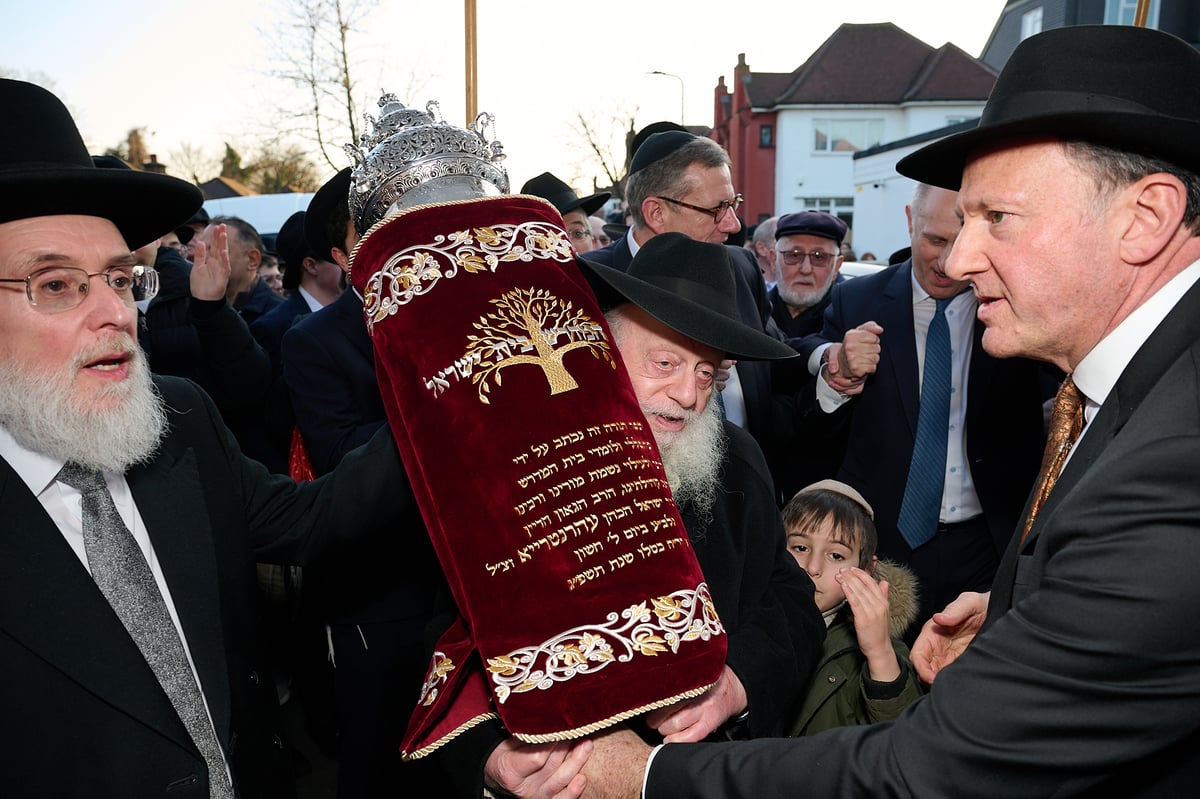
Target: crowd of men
[1017, 400]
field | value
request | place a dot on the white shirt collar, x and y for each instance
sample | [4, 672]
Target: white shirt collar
[35, 469]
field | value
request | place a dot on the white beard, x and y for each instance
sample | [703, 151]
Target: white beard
[41, 411]
[804, 299]
[692, 459]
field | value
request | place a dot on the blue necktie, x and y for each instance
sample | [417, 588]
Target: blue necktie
[927, 473]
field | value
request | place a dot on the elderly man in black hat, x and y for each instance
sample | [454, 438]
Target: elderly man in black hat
[673, 320]
[1080, 197]
[576, 211]
[127, 627]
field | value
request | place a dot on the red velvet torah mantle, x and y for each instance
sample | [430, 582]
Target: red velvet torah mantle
[580, 599]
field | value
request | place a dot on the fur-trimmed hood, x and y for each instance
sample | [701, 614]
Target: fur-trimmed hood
[903, 595]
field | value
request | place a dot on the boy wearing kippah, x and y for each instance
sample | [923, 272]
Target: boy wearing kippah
[864, 675]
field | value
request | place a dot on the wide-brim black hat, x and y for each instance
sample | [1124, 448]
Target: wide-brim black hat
[322, 205]
[45, 170]
[562, 196]
[1116, 85]
[688, 286]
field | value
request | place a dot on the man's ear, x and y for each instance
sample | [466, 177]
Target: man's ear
[1155, 207]
[254, 256]
[654, 211]
[309, 265]
[341, 259]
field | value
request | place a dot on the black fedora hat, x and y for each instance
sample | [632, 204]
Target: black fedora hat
[186, 231]
[292, 247]
[562, 196]
[45, 170]
[1116, 85]
[320, 208]
[688, 286]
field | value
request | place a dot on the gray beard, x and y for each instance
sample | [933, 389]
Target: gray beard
[41, 412]
[803, 300]
[692, 459]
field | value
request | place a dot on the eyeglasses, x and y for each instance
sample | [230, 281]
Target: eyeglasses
[716, 212]
[61, 288]
[817, 258]
[579, 235]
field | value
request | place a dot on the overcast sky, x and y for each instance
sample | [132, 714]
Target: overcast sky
[199, 72]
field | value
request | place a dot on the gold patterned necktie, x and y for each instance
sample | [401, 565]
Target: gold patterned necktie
[1066, 422]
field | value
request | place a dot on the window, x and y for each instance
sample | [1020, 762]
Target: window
[766, 135]
[1031, 22]
[842, 207]
[1121, 12]
[846, 135]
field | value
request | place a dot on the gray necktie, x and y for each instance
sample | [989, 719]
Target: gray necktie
[123, 576]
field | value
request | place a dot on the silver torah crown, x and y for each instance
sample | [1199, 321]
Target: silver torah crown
[409, 157]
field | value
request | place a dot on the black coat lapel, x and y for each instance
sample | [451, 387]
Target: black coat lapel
[899, 345]
[170, 500]
[1178, 331]
[50, 605]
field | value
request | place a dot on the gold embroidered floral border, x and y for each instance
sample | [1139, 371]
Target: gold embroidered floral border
[657, 625]
[415, 270]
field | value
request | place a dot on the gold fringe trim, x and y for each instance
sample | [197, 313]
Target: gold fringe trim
[580, 732]
[428, 750]
[565, 735]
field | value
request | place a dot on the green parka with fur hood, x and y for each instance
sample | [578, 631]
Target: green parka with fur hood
[841, 692]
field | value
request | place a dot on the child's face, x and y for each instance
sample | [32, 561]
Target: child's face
[821, 556]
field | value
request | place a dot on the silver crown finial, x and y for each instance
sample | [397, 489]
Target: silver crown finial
[408, 157]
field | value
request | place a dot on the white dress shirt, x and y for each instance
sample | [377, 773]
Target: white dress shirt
[64, 506]
[960, 501]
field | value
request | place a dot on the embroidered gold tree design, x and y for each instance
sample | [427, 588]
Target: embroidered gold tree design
[526, 328]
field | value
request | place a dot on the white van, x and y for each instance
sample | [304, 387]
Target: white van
[267, 212]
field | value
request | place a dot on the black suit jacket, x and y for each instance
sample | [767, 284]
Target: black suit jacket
[329, 368]
[84, 715]
[269, 328]
[1083, 681]
[1004, 413]
[753, 309]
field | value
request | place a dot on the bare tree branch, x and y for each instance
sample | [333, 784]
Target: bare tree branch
[605, 139]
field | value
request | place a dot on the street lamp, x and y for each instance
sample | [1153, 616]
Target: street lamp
[676, 77]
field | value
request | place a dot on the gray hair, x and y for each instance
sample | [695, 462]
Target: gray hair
[1114, 169]
[765, 232]
[667, 176]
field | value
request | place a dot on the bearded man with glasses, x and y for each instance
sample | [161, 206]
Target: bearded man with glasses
[680, 183]
[131, 519]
